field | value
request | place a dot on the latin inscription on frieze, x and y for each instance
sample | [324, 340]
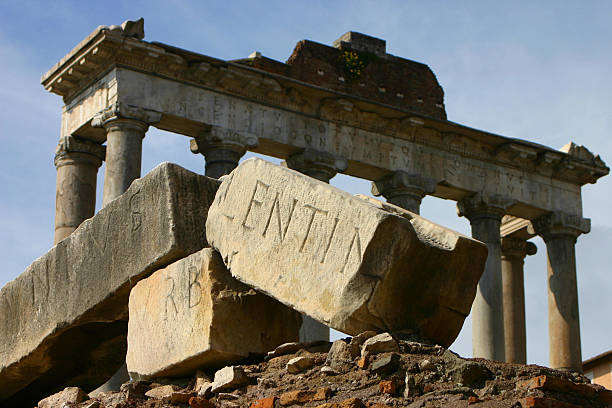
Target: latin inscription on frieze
[377, 145]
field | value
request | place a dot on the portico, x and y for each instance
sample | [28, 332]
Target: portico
[125, 84]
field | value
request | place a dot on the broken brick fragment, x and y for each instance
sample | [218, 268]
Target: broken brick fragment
[264, 403]
[547, 382]
[387, 387]
[322, 394]
[541, 402]
[363, 362]
[296, 397]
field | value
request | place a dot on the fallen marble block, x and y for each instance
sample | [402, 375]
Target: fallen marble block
[63, 322]
[344, 261]
[193, 314]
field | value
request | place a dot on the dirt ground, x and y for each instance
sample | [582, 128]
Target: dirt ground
[393, 373]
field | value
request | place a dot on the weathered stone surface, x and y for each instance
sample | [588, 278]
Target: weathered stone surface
[327, 370]
[292, 347]
[465, 371]
[228, 378]
[339, 354]
[163, 391]
[385, 364]
[194, 314]
[358, 340]
[134, 390]
[70, 395]
[426, 365]
[380, 343]
[328, 254]
[73, 301]
[182, 397]
[298, 364]
[202, 381]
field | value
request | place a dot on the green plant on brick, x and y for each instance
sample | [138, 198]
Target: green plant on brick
[355, 62]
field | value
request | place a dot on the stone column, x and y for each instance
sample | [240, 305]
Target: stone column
[560, 231]
[513, 252]
[321, 166]
[485, 214]
[125, 127]
[77, 162]
[222, 150]
[404, 190]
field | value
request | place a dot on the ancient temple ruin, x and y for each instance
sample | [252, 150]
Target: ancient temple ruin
[349, 108]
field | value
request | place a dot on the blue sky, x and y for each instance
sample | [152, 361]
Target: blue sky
[539, 71]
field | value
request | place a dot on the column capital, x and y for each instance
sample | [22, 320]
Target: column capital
[560, 223]
[402, 183]
[481, 205]
[120, 110]
[222, 149]
[517, 248]
[218, 138]
[317, 164]
[71, 149]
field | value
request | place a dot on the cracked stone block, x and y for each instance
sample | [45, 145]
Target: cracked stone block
[73, 300]
[193, 314]
[351, 264]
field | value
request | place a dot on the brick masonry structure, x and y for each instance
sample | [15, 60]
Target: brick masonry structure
[358, 65]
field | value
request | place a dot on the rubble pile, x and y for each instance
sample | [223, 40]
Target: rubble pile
[368, 370]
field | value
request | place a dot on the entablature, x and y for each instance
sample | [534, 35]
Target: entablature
[202, 91]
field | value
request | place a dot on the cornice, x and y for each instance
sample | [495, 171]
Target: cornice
[108, 47]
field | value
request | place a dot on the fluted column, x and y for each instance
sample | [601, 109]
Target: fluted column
[404, 190]
[560, 231]
[513, 253]
[322, 166]
[77, 162]
[485, 214]
[222, 150]
[125, 128]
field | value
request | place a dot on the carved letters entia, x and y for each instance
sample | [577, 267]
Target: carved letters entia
[254, 201]
[355, 242]
[313, 212]
[271, 213]
[282, 231]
